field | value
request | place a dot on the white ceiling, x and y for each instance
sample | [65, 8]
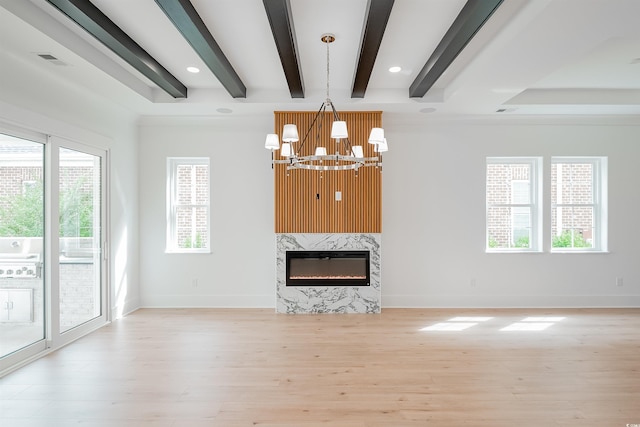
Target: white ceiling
[532, 57]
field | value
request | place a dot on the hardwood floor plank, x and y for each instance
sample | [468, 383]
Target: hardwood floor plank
[252, 367]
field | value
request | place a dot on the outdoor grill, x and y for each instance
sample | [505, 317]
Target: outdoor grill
[19, 259]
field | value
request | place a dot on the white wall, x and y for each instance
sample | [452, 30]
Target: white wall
[240, 271]
[33, 99]
[433, 215]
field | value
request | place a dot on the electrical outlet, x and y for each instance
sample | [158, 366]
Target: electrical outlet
[194, 283]
[472, 283]
[619, 281]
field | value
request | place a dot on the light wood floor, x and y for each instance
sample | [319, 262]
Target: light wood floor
[250, 367]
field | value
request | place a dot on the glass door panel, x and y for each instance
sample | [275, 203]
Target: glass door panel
[80, 266]
[22, 314]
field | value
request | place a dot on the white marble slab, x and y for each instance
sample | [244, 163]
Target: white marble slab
[328, 299]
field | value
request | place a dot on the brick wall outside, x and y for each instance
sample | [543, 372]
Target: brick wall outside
[77, 294]
[185, 219]
[500, 178]
[13, 179]
[577, 188]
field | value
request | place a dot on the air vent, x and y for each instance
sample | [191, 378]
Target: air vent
[51, 59]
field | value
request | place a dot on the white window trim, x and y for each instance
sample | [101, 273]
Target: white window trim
[535, 164]
[172, 167]
[600, 210]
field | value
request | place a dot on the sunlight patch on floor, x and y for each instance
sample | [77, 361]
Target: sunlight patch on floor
[528, 326]
[449, 326]
[460, 323]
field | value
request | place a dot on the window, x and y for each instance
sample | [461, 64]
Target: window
[513, 204]
[578, 204]
[188, 204]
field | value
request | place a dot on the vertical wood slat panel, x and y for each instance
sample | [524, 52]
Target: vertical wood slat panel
[305, 200]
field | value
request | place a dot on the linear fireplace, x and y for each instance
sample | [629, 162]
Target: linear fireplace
[327, 268]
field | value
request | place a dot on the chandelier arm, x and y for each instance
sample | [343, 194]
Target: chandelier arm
[350, 166]
[319, 129]
[321, 110]
[337, 162]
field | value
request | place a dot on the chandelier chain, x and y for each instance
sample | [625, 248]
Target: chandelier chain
[327, 43]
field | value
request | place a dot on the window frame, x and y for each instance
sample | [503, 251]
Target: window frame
[172, 205]
[535, 205]
[599, 203]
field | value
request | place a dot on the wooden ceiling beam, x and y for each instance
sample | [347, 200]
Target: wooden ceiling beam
[284, 35]
[96, 23]
[468, 22]
[186, 19]
[378, 12]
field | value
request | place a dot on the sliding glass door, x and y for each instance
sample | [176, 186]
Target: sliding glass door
[52, 232]
[22, 295]
[80, 213]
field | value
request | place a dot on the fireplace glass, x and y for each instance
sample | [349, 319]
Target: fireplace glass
[327, 268]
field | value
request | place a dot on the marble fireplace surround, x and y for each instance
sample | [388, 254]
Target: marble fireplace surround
[328, 299]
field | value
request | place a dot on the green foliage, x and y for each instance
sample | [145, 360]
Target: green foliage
[76, 212]
[197, 244]
[522, 242]
[493, 243]
[564, 240]
[23, 214]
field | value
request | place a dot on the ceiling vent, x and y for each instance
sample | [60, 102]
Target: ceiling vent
[51, 59]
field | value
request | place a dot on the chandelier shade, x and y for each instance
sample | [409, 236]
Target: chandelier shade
[290, 133]
[357, 151]
[311, 153]
[285, 151]
[321, 151]
[376, 136]
[339, 130]
[272, 142]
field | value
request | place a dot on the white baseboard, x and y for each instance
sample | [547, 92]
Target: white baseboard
[401, 301]
[214, 301]
[510, 301]
[129, 307]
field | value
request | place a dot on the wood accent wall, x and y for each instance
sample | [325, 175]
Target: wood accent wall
[305, 200]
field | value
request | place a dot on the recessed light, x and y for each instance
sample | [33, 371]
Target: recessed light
[224, 110]
[395, 69]
[428, 110]
[193, 69]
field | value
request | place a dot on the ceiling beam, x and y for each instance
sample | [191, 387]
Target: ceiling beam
[468, 22]
[186, 19]
[96, 23]
[281, 21]
[378, 12]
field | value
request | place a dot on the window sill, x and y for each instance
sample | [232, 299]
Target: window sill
[513, 251]
[579, 252]
[202, 251]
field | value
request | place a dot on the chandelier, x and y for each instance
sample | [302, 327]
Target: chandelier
[346, 156]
